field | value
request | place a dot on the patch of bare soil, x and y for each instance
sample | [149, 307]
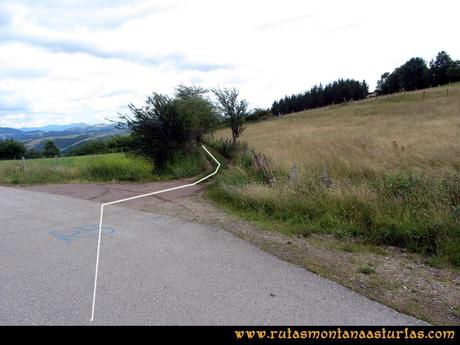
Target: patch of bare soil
[388, 275]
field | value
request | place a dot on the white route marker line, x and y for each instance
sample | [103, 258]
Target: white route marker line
[137, 197]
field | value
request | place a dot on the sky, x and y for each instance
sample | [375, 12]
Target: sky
[73, 61]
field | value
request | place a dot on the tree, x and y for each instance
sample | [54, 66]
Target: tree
[414, 74]
[33, 154]
[11, 149]
[258, 114]
[232, 109]
[50, 149]
[453, 73]
[439, 68]
[339, 91]
[382, 84]
[188, 92]
[165, 125]
[275, 109]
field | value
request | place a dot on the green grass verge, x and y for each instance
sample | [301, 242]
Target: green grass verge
[416, 212]
[99, 168]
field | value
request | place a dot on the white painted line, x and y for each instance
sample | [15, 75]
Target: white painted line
[137, 197]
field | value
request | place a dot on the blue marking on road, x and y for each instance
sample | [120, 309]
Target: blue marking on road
[68, 236]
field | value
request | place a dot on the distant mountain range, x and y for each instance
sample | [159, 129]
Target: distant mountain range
[51, 128]
[64, 136]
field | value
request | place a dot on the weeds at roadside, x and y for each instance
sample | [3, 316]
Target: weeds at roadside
[366, 270]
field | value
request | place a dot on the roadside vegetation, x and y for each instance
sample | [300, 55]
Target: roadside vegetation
[116, 143]
[385, 171]
[167, 127]
[163, 143]
[76, 169]
[361, 188]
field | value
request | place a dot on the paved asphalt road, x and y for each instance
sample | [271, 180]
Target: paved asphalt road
[153, 270]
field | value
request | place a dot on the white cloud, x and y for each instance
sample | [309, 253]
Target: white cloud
[66, 61]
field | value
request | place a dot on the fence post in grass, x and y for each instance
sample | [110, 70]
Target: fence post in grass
[255, 160]
[325, 178]
[23, 163]
[271, 177]
[294, 172]
[423, 97]
[55, 161]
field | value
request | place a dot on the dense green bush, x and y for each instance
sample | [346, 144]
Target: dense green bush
[166, 125]
[119, 167]
[226, 147]
[33, 154]
[182, 164]
[259, 114]
[117, 143]
[11, 149]
[50, 149]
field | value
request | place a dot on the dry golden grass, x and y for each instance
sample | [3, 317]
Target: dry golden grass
[395, 169]
[408, 131]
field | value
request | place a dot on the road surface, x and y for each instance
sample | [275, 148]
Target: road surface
[154, 270]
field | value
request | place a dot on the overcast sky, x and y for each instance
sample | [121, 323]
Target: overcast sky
[83, 61]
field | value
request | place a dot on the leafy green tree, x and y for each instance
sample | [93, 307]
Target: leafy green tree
[188, 92]
[258, 114]
[33, 154]
[439, 68]
[414, 74]
[116, 143]
[50, 149]
[233, 109]
[166, 125]
[11, 149]
[453, 73]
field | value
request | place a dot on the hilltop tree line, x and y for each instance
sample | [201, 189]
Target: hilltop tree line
[340, 91]
[12, 149]
[168, 124]
[416, 74]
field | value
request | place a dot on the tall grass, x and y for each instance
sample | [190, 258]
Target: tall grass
[394, 163]
[100, 168]
[185, 164]
[107, 167]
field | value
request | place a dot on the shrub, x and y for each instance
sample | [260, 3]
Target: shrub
[121, 168]
[11, 149]
[182, 164]
[50, 149]
[167, 125]
[117, 143]
[33, 154]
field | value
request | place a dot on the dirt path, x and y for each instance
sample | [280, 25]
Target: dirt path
[393, 277]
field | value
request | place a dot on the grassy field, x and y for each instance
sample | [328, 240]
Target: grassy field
[97, 168]
[76, 169]
[394, 163]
